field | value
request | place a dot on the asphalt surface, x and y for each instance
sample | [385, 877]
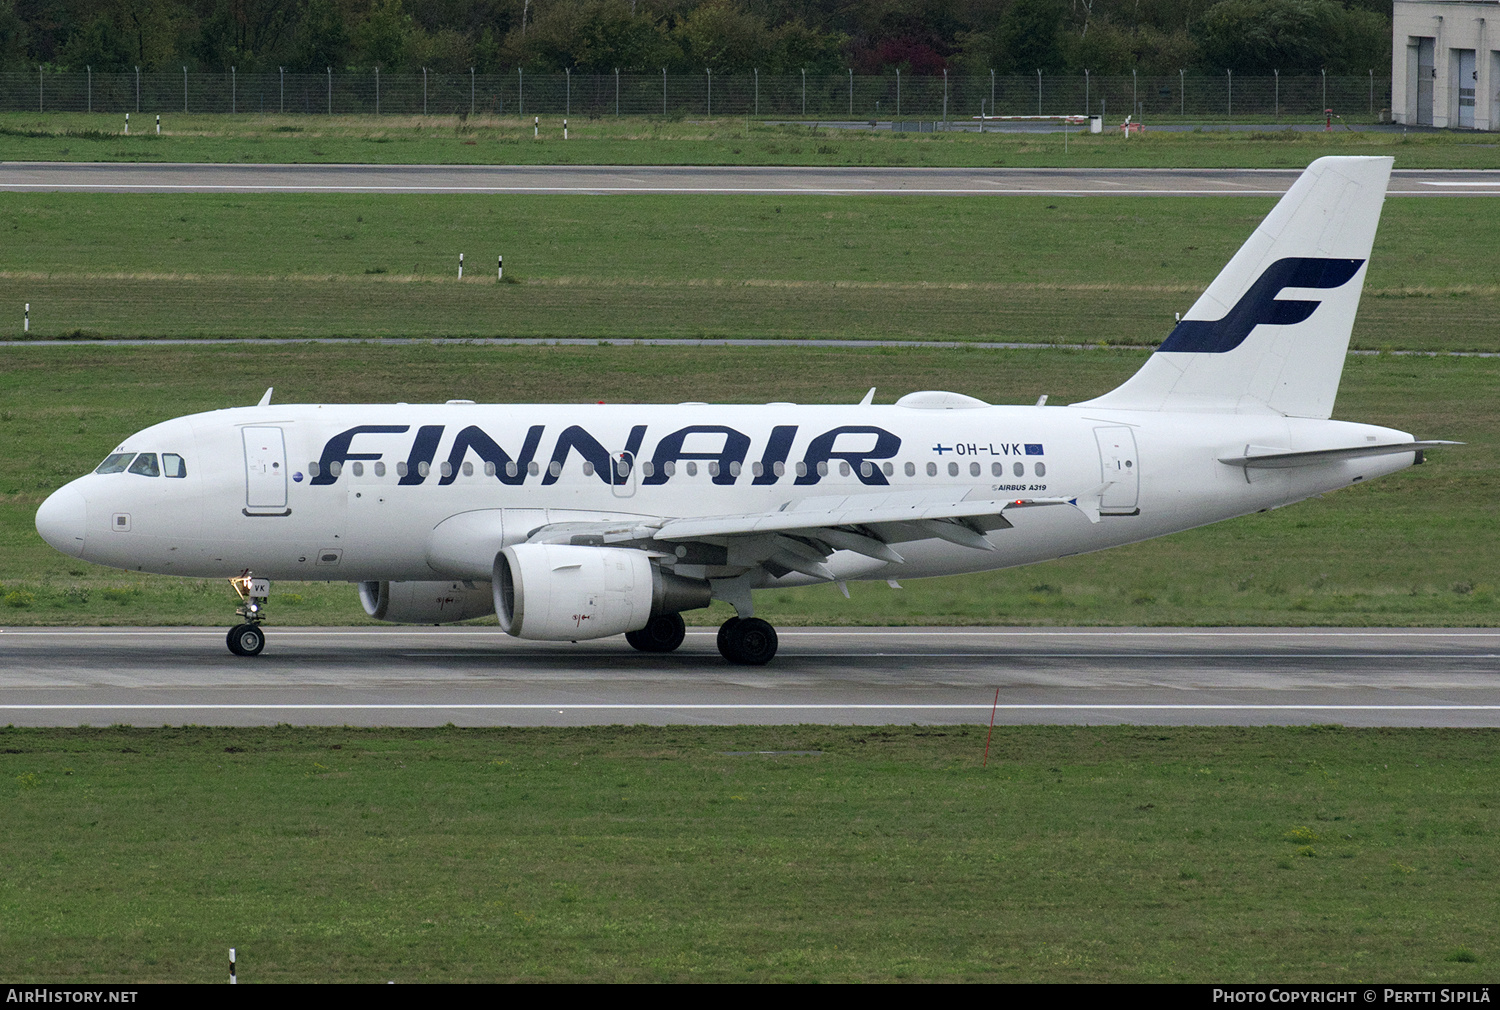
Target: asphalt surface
[198, 178]
[480, 677]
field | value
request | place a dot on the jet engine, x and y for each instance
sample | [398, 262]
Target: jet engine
[425, 602]
[567, 593]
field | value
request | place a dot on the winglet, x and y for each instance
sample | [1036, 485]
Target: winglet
[265, 401]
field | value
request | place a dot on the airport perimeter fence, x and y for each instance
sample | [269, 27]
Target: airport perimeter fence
[822, 96]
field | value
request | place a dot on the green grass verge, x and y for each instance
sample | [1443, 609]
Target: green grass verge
[484, 140]
[1027, 269]
[639, 854]
[1416, 548]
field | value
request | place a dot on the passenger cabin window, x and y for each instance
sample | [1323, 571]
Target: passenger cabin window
[932, 469]
[115, 462]
[1041, 469]
[380, 469]
[1019, 469]
[973, 469]
[145, 465]
[359, 469]
[911, 469]
[468, 469]
[172, 465]
[952, 469]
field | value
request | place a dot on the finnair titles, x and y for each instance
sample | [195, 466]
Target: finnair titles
[574, 522]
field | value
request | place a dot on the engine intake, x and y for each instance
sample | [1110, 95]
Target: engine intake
[568, 593]
[424, 602]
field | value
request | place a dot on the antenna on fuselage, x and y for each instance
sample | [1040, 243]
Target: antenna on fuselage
[265, 401]
[869, 398]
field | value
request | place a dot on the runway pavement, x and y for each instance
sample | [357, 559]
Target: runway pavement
[476, 676]
[201, 178]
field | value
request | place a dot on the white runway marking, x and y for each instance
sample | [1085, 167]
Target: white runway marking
[1051, 655]
[611, 190]
[794, 632]
[736, 707]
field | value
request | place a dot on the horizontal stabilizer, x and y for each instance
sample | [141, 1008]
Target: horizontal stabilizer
[1289, 459]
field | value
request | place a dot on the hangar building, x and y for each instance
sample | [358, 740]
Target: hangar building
[1445, 63]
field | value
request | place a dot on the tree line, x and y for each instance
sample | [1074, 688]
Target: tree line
[921, 37]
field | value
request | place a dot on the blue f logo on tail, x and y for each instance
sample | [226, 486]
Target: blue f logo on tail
[1260, 305]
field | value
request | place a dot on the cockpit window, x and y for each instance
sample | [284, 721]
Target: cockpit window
[172, 465]
[115, 462]
[145, 465]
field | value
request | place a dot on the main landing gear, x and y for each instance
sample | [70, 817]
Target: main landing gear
[747, 641]
[248, 639]
[663, 633]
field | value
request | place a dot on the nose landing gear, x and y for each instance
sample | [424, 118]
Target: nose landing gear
[248, 639]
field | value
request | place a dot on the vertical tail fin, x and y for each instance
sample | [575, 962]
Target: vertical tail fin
[1241, 348]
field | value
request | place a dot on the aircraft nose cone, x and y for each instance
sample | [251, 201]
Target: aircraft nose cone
[62, 520]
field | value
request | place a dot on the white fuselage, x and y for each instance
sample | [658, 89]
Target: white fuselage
[322, 504]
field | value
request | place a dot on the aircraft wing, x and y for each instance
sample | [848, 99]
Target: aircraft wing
[801, 534]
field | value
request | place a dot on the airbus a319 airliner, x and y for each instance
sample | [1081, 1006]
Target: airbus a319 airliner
[577, 522]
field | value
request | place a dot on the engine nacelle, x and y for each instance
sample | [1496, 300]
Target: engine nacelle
[425, 602]
[567, 593]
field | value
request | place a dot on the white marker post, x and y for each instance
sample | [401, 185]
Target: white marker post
[460, 266]
[500, 267]
[158, 124]
[127, 124]
[26, 319]
[232, 979]
[565, 129]
[536, 127]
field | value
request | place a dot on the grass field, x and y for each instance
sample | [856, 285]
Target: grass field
[484, 140]
[1028, 269]
[616, 854]
[1311, 564]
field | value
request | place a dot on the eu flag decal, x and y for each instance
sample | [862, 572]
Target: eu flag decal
[1033, 448]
